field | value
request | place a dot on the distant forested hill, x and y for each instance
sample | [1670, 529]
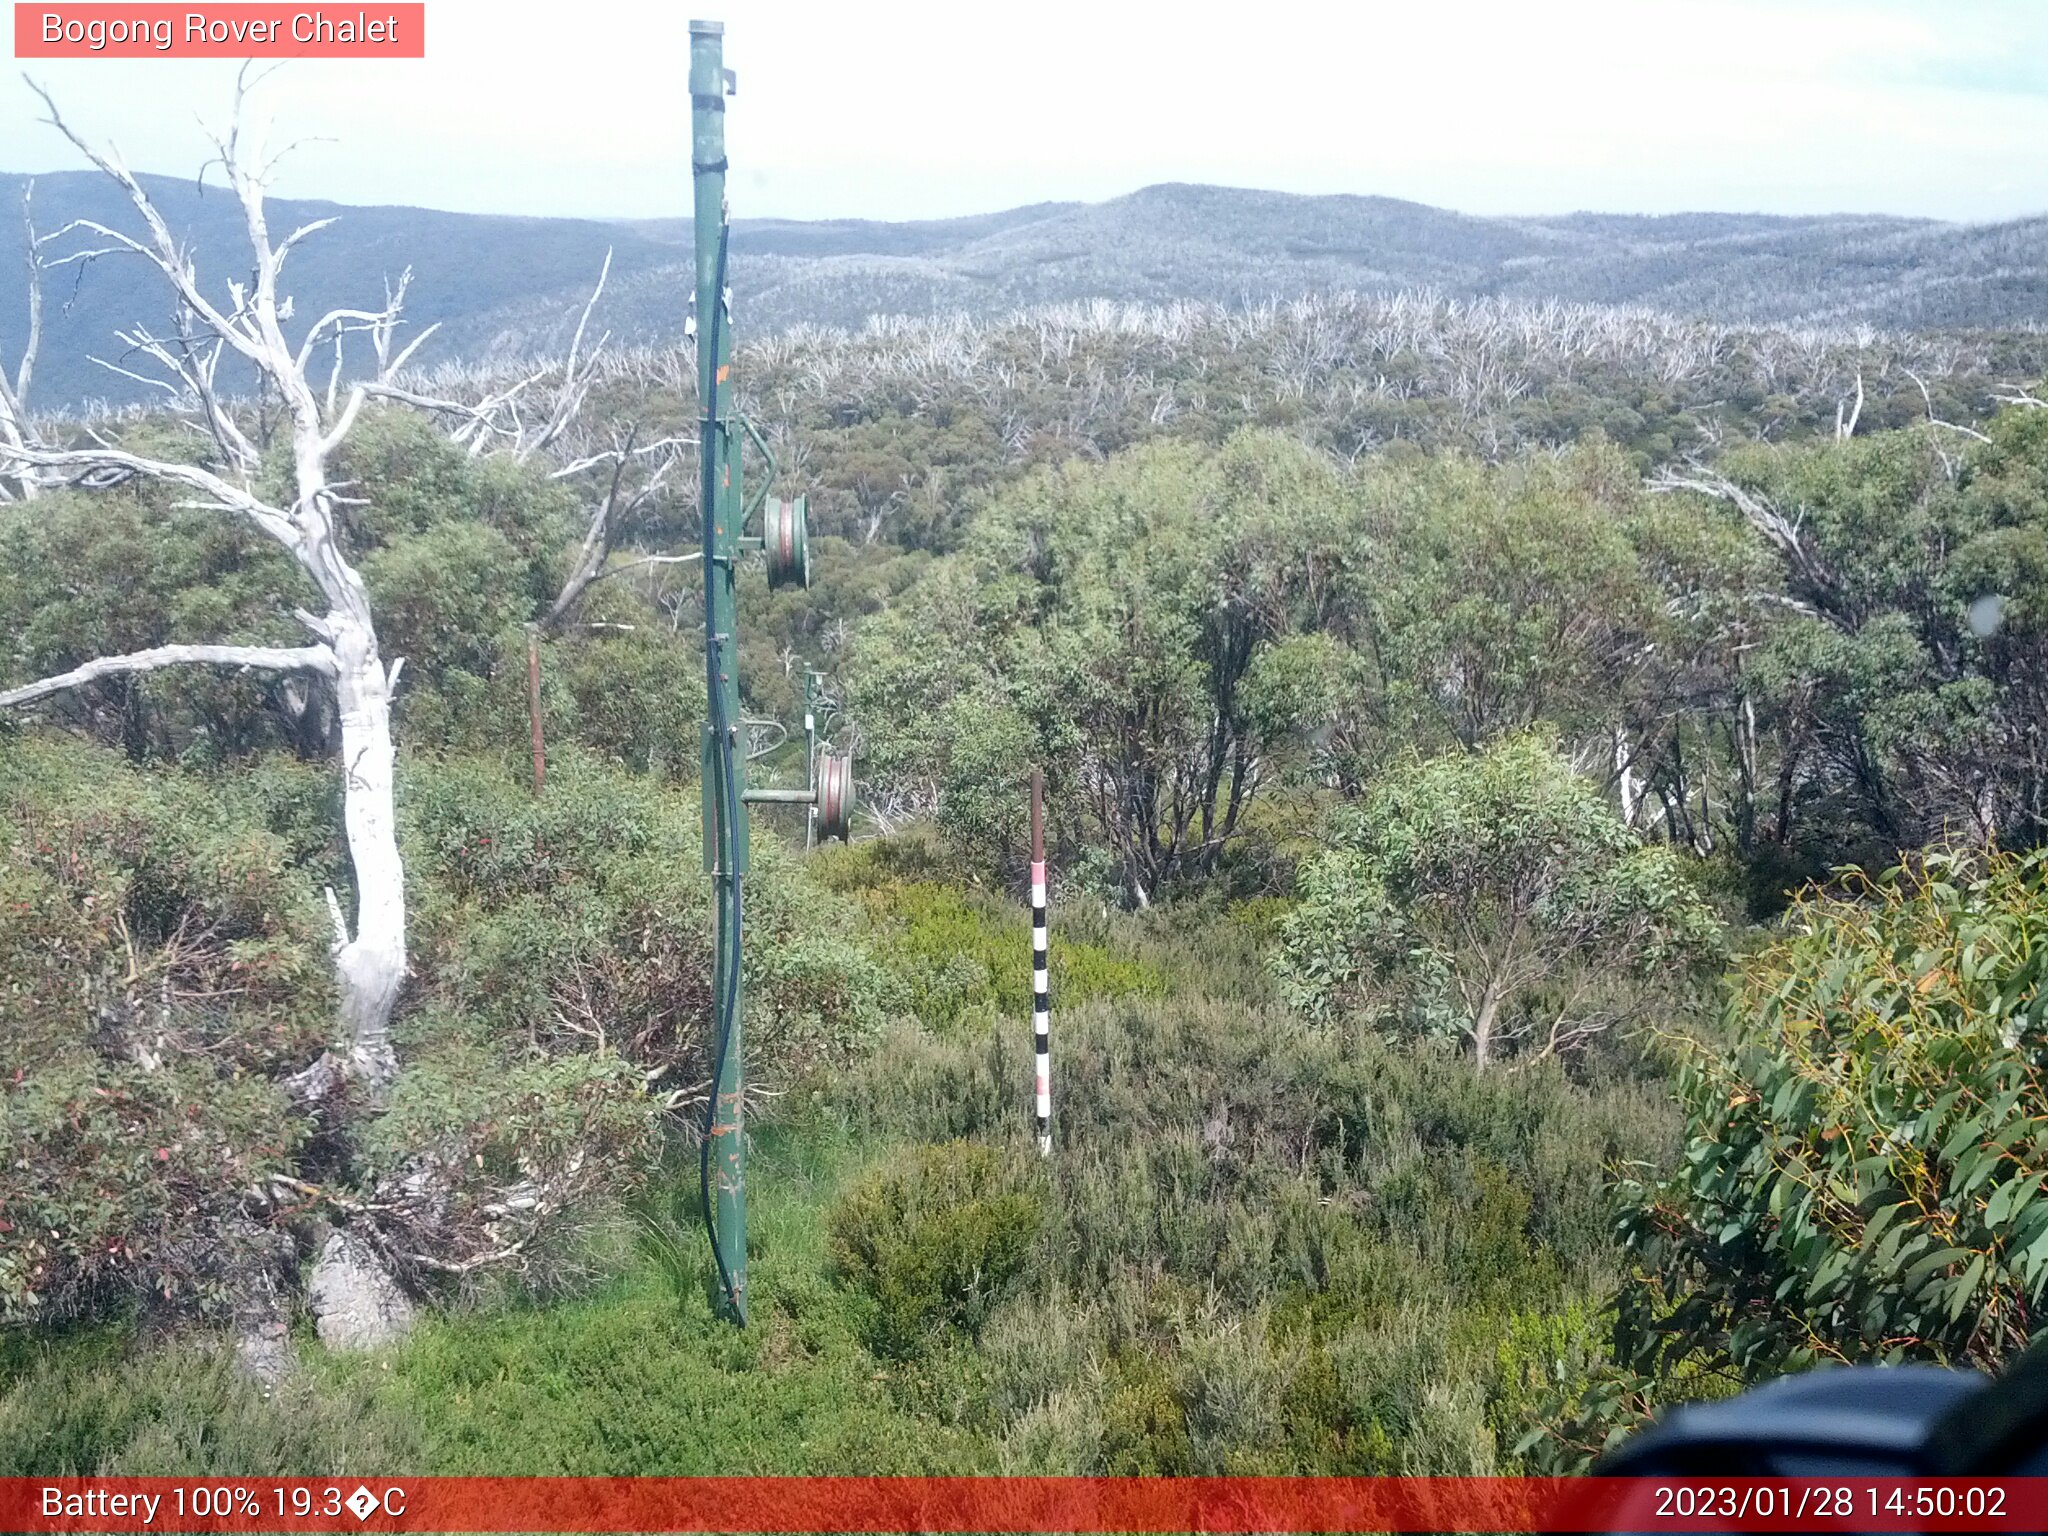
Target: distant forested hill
[503, 286]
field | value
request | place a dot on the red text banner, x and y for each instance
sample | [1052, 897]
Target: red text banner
[240, 30]
[1020, 1504]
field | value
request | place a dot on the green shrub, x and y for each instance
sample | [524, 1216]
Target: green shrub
[160, 963]
[1864, 1164]
[1321, 1421]
[632, 690]
[1237, 1190]
[1539, 1356]
[933, 1239]
[112, 1409]
[1144, 1424]
[1493, 898]
[564, 943]
[926, 1089]
[580, 919]
[959, 956]
[85, 574]
[440, 596]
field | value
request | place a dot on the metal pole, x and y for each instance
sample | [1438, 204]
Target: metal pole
[782, 797]
[724, 765]
[811, 755]
[1041, 981]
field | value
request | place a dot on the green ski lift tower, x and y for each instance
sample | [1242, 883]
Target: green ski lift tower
[727, 745]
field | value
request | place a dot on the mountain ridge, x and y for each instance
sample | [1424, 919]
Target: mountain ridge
[505, 284]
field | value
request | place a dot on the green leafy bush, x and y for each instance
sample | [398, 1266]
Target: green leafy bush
[958, 954]
[580, 919]
[1492, 897]
[632, 689]
[1863, 1173]
[934, 1239]
[1144, 1425]
[1237, 1190]
[564, 945]
[95, 574]
[441, 597]
[163, 967]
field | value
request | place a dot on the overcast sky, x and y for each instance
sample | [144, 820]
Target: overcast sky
[889, 109]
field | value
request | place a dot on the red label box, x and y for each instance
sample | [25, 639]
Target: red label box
[377, 30]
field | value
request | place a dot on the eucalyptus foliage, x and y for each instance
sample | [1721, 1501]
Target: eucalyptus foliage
[1864, 1170]
[1864, 1166]
[1494, 897]
[1124, 625]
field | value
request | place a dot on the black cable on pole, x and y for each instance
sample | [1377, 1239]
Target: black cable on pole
[728, 850]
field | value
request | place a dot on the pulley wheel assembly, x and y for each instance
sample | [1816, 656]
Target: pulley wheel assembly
[786, 540]
[835, 796]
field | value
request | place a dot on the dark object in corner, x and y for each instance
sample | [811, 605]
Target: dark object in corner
[1858, 1421]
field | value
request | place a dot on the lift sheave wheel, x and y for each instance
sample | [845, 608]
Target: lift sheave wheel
[835, 796]
[785, 538]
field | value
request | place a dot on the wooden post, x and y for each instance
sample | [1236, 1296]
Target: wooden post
[1041, 981]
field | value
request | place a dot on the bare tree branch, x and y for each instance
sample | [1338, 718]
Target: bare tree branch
[592, 560]
[95, 468]
[597, 540]
[569, 399]
[162, 249]
[620, 570]
[1783, 533]
[306, 658]
[1934, 420]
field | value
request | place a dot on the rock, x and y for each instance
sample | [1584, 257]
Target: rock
[256, 1261]
[264, 1351]
[356, 1304]
[315, 1085]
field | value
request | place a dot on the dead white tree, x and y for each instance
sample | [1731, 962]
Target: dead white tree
[1846, 416]
[625, 497]
[498, 420]
[1784, 532]
[16, 430]
[370, 955]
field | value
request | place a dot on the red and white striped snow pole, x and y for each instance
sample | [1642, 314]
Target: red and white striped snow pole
[1041, 982]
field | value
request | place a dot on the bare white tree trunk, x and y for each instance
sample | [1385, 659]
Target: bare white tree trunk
[15, 427]
[1625, 777]
[371, 963]
[370, 953]
[1846, 416]
[370, 960]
